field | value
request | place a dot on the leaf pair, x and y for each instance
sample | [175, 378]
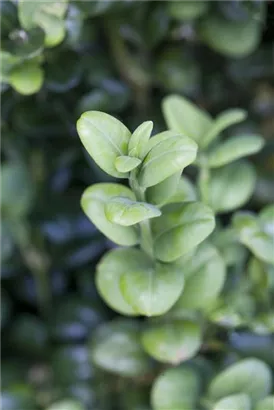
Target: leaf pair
[114, 210]
[117, 152]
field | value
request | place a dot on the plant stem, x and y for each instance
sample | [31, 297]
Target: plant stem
[146, 242]
[130, 70]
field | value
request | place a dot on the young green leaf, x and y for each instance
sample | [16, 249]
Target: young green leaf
[223, 121]
[125, 212]
[187, 10]
[116, 348]
[185, 192]
[184, 117]
[172, 342]
[138, 141]
[231, 186]
[179, 231]
[234, 148]
[249, 376]
[176, 388]
[53, 26]
[105, 138]
[108, 276]
[235, 402]
[93, 202]
[126, 164]
[165, 159]
[151, 289]
[26, 78]
[205, 277]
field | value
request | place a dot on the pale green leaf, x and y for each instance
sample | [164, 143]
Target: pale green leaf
[184, 117]
[173, 342]
[26, 78]
[231, 186]
[137, 145]
[105, 138]
[151, 289]
[205, 277]
[93, 202]
[108, 276]
[176, 388]
[235, 402]
[125, 212]
[266, 404]
[66, 405]
[179, 231]
[187, 10]
[249, 376]
[53, 26]
[223, 121]
[126, 164]
[167, 158]
[234, 148]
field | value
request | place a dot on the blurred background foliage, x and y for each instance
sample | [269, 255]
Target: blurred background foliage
[59, 59]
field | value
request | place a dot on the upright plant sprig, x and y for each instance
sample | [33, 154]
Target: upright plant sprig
[144, 280]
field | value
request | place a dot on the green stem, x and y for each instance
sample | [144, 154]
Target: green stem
[203, 183]
[36, 262]
[146, 242]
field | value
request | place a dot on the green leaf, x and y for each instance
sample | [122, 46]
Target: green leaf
[93, 202]
[257, 233]
[266, 404]
[249, 376]
[179, 231]
[167, 158]
[116, 348]
[229, 32]
[138, 140]
[126, 164]
[53, 26]
[159, 194]
[105, 138]
[8, 62]
[125, 212]
[185, 192]
[27, 78]
[66, 405]
[186, 10]
[231, 186]
[176, 388]
[235, 402]
[16, 190]
[172, 342]
[108, 276]
[205, 277]
[151, 289]
[26, 44]
[184, 117]
[234, 148]
[49, 17]
[223, 121]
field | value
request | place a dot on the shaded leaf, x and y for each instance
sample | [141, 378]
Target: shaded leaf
[178, 232]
